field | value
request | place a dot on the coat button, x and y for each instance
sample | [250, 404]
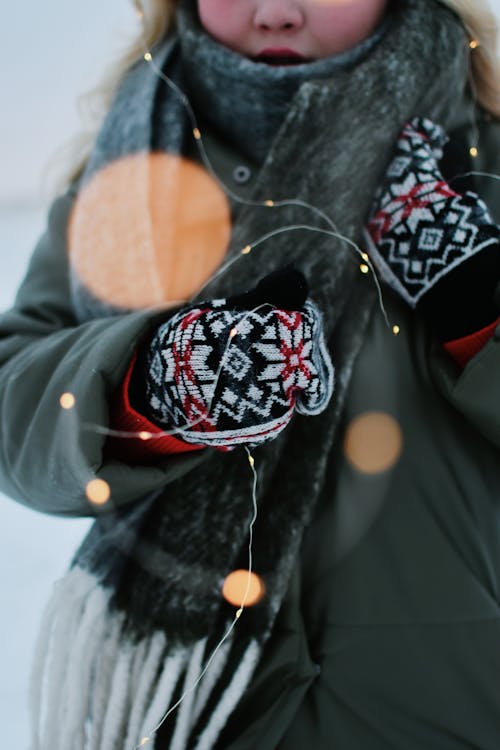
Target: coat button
[317, 669]
[241, 174]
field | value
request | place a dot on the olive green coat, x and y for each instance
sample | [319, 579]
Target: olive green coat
[389, 636]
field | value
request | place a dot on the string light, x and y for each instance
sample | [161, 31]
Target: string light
[67, 401]
[98, 491]
[237, 614]
[269, 202]
[364, 268]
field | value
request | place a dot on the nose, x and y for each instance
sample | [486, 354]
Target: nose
[274, 15]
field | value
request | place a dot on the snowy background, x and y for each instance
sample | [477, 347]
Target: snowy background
[50, 53]
[48, 58]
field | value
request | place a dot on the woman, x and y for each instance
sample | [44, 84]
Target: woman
[373, 567]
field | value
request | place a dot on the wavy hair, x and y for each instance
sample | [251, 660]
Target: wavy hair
[157, 18]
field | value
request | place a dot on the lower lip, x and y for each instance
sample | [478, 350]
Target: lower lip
[281, 60]
[281, 65]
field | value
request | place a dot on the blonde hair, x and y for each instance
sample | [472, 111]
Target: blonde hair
[482, 26]
[157, 17]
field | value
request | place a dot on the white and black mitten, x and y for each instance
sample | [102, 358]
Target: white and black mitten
[232, 371]
[437, 248]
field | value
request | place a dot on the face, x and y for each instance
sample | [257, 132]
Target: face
[286, 32]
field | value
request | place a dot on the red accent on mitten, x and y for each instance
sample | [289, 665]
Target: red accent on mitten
[125, 418]
[464, 349]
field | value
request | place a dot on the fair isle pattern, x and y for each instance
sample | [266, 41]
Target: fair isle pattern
[93, 688]
[224, 377]
[421, 228]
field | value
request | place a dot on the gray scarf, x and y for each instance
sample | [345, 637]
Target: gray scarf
[326, 142]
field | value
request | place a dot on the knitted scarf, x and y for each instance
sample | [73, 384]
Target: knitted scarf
[131, 626]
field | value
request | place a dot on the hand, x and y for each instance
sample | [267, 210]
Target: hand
[421, 228]
[232, 372]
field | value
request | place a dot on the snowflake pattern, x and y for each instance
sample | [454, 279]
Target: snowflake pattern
[222, 389]
[421, 228]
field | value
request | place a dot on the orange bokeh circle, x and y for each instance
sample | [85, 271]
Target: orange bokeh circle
[98, 491]
[373, 442]
[67, 401]
[148, 230]
[238, 583]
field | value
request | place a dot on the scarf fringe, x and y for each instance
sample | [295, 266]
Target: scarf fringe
[230, 697]
[92, 688]
[195, 666]
[145, 681]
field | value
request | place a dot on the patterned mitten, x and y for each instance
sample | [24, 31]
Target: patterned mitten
[232, 371]
[421, 229]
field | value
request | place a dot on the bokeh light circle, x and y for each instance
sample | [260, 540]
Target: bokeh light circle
[67, 401]
[148, 230]
[373, 442]
[98, 491]
[236, 585]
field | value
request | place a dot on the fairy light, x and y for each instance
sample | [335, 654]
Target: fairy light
[237, 615]
[98, 491]
[364, 268]
[319, 213]
[67, 401]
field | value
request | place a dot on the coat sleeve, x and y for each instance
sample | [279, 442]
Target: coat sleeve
[475, 390]
[48, 455]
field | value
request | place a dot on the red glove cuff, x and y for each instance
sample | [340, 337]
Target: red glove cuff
[148, 440]
[464, 349]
